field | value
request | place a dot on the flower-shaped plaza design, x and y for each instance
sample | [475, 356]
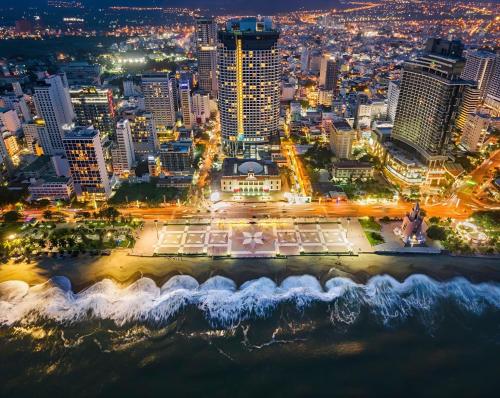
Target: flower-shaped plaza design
[253, 239]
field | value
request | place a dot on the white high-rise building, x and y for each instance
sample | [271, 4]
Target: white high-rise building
[475, 131]
[10, 120]
[341, 138]
[478, 68]
[493, 90]
[159, 101]
[249, 83]
[392, 100]
[186, 108]
[32, 133]
[6, 165]
[123, 153]
[86, 161]
[18, 90]
[143, 130]
[22, 109]
[129, 88]
[53, 104]
[201, 107]
[206, 53]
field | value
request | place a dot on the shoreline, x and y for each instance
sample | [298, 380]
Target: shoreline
[125, 269]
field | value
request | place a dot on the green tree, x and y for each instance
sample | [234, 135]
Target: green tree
[487, 219]
[436, 232]
[12, 216]
[47, 214]
[110, 213]
[435, 220]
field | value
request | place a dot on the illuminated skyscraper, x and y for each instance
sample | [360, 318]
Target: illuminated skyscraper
[53, 104]
[392, 100]
[186, 108]
[123, 152]
[328, 73]
[143, 131]
[201, 106]
[94, 107]
[493, 90]
[249, 74]
[86, 161]
[429, 101]
[159, 101]
[479, 68]
[206, 53]
[32, 132]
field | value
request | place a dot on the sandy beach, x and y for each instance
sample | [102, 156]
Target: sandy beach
[123, 268]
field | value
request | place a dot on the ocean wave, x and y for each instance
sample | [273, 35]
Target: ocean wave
[223, 304]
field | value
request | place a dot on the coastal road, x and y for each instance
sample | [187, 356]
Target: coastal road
[469, 194]
[280, 209]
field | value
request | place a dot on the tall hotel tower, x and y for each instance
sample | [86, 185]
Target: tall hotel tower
[206, 53]
[430, 99]
[94, 107]
[53, 105]
[86, 161]
[159, 101]
[328, 73]
[479, 68]
[249, 83]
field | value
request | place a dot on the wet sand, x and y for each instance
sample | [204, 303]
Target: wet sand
[119, 266]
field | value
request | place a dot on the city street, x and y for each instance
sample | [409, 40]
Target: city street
[280, 209]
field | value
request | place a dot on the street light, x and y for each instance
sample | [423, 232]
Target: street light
[156, 226]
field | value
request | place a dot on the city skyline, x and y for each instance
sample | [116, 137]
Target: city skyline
[249, 198]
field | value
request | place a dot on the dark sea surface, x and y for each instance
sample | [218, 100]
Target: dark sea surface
[299, 338]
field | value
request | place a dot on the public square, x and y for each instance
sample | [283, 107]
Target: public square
[263, 238]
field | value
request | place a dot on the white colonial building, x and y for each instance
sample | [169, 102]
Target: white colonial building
[250, 177]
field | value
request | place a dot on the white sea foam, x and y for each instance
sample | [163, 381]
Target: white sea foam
[224, 304]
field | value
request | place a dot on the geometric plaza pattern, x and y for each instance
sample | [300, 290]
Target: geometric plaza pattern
[252, 239]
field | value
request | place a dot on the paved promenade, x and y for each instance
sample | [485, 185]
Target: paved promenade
[251, 238]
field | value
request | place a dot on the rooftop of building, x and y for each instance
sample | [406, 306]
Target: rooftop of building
[352, 164]
[38, 164]
[51, 179]
[250, 24]
[176, 146]
[482, 53]
[341, 124]
[402, 155]
[155, 75]
[241, 167]
[81, 132]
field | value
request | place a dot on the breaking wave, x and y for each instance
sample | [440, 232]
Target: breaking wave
[223, 304]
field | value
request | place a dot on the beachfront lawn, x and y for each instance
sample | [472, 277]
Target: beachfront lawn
[110, 230]
[374, 238]
[369, 223]
[372, 229]
[146, 192]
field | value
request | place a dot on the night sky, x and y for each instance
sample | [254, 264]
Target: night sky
[244, 6]
[256, 6]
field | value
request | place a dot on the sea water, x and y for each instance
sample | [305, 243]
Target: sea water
[303, 338]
